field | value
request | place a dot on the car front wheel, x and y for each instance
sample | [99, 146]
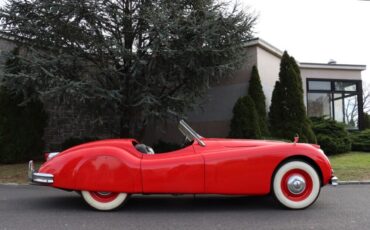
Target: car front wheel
[296, 185]
[104, 201]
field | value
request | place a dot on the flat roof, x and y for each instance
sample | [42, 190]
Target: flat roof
[311, 65]
[266, 46]
[304, 65]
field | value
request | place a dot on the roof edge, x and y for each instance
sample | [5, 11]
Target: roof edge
[265, 45]
[310, 65]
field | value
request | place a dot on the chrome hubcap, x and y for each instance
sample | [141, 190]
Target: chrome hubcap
[296, 184]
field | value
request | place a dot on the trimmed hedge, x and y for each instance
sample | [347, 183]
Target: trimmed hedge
[331, 135]
[361, 141]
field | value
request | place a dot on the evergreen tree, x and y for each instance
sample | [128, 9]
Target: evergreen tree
[244, 123]
[142, 60]
[255, 91]
[287, 116]
[22, 122]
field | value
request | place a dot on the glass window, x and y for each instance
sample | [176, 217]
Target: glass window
[319, 85]
[319, 104]
[345, 86]
[338, 107]
[340, 102]
[351, 111]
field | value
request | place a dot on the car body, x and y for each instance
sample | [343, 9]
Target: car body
[104, 170]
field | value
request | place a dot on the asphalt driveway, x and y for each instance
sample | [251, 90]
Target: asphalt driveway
[34, 207]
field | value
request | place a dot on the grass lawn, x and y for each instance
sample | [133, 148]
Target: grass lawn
[347, 166]
[15, 173]
[351, 166]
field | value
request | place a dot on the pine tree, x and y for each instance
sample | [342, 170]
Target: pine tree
[22, 122]
[142, 60]
[255, 91]
[287, 116]
[244, 123]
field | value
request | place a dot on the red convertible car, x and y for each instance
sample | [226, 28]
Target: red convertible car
[106, 172]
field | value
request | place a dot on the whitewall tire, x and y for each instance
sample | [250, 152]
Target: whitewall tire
[104, 201]
[296, 185]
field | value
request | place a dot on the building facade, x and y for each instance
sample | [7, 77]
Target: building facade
[332, 90]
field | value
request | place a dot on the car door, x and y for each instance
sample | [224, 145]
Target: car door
[180, 171]
[234, 170]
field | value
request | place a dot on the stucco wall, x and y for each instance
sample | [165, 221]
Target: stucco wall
[220, 99]
[268, 67]
[212, 118]
[216, 112]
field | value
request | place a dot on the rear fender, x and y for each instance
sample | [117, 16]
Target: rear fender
[97, 169]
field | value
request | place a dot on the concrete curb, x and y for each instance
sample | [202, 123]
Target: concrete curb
[11, 184]
[353, 182]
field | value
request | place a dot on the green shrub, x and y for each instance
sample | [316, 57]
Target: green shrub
[361, 140]
[331, 135]
[21, 128]
[366, 121]
[163, 146]
[245, 123]
[73, 141]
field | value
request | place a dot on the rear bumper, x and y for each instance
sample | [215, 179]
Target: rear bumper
[40, 178]
[333, 181]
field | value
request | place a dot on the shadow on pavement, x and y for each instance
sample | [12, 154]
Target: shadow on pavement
[159, 203]
[198, 203]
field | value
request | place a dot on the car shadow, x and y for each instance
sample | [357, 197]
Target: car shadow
[190, 203]
[55, 203]
[159, 203]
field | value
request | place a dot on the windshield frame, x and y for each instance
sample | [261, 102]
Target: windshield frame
[190, 133]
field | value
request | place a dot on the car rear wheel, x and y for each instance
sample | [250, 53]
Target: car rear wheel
[296, 185]
[104, 201]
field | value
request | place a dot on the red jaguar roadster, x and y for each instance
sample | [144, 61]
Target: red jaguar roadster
[106, 172]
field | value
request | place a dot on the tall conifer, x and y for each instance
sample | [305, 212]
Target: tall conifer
[255, 91]
[287, 114]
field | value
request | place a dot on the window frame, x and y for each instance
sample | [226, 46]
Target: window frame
[333, 91]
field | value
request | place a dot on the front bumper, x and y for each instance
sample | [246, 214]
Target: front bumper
[36, 177]
[334, 181]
